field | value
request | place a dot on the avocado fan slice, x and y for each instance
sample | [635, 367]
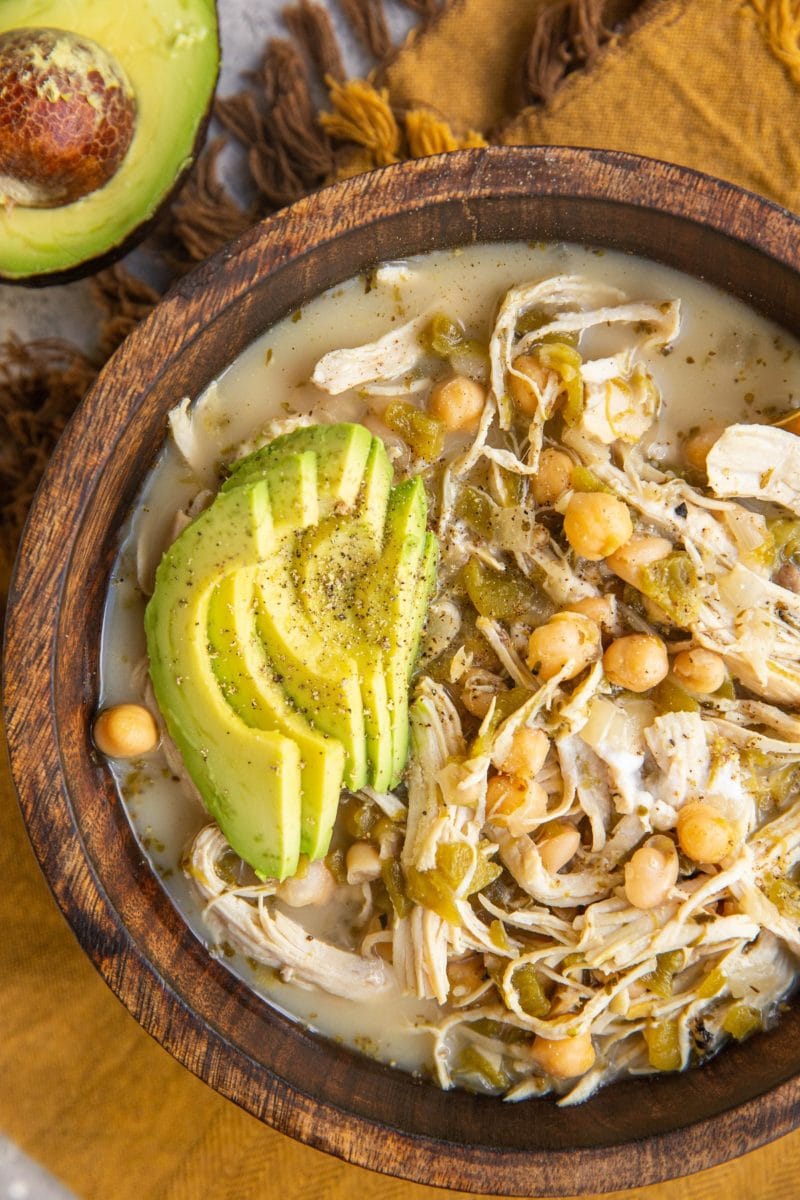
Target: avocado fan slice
[321, 680]
[247, 680]
[342, 452]
[360, 582]
[392, 603]
[332, 557]
[249, 779]
[169, 51]
[425, 587]
[312, 589]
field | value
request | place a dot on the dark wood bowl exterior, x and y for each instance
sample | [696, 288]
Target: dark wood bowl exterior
[634, 1132]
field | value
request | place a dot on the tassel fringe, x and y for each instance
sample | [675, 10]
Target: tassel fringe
[780, 20]
[568, 35]
[361, 114]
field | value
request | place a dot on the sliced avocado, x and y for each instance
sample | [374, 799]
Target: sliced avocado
[342, 452]
[246, 677]
[376, 487]
[353, 472]
[426, 583]
[169, 51]
[319, 678]
[250, 779]
[391, 606]
[331, 559]
[293, 496]
[310, 578]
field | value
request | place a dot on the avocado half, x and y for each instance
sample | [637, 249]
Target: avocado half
[169, 50]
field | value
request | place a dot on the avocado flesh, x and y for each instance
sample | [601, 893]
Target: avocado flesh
[400, 678]
[319, 679]
[250, 779]
[311, 615]
[314, 673]
[246, 677]
[332, 557]
[169, 50]
[391, 607]
[293, 498]
[312, 608]
[362, 579]
[342, 454]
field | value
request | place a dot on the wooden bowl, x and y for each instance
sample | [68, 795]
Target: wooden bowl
[633, 1132]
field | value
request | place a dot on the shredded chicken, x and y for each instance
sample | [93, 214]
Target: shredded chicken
[262, 932]
[476, 911]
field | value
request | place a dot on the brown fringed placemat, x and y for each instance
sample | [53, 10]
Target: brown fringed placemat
[84, 1090]
[288, 148]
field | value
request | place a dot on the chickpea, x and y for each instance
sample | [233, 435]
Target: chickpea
[521, 391]
[125, 731]
[636, 662]
[515, 806]
[600, 609]
[791, 423]
[564, 1058]
[504, 794]
[457, 402]
[567, 640]
[596, 524]
[789, 577]
[553, 477]
[526, 754]
[699, 671]
[363, 863]
[696, 448]
[628, 561]
[704, 835]
[559, 843]
[314, 887]
[651, 873]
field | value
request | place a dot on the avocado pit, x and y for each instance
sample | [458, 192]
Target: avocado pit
[67, 117]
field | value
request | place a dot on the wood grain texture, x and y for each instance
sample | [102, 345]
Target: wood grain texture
[637, 1131]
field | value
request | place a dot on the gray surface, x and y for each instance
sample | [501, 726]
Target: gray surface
[23, 1179]
[67, 311]
[245, 25]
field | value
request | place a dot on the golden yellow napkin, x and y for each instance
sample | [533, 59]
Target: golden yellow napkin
[707, 83]
[712, 85]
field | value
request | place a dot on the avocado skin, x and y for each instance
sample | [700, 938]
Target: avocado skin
[96, 259]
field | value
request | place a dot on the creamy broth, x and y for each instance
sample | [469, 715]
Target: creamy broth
[726, 364]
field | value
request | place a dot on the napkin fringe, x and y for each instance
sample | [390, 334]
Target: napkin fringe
[310, 26]
[567, 36]
[780, 20]
[367, 19]
[41, 382]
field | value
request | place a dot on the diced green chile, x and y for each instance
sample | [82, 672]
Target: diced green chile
[673, 585]
[422, 433]
[502, 595]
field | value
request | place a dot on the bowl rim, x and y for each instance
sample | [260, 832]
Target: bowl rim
[42, 579]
